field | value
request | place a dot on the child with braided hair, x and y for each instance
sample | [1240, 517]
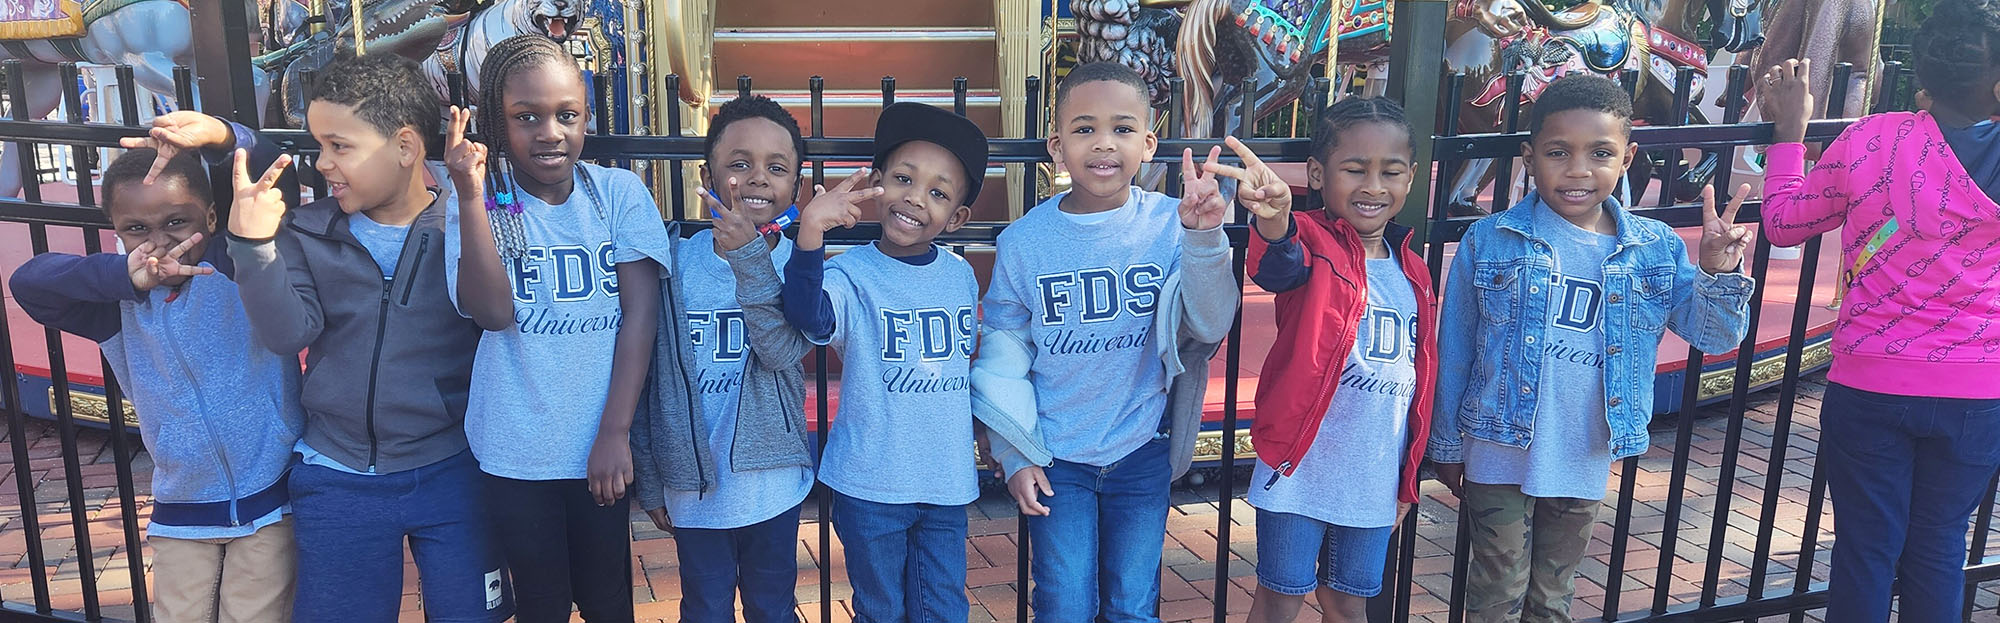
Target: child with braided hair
[554, 255]
[1911, 416]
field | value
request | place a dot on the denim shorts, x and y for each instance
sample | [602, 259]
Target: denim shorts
[1297, 554]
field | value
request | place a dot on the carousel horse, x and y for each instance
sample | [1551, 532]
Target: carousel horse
[1488, 39]
[445, 38]
[1133, 33]
[1273, 43]
[152, 36]
[1829, 32]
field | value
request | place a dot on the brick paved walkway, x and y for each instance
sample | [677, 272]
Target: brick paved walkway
[1188, 581]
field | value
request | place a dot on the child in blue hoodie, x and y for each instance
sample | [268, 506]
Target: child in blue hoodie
[221, 411]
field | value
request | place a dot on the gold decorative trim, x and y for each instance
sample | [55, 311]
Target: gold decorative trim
[1719, 383]
[92, 407]
[1208, 446]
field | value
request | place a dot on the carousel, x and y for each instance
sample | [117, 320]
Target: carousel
[662, 65]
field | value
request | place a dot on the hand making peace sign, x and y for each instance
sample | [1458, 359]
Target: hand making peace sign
[465, 159]
[733, 227]
[840, 207]
[1202, 205]
[259, 206]
[149, 266]
[1259, 189]
[1722, 240]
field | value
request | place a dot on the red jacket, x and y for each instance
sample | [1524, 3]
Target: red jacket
[1319, 301]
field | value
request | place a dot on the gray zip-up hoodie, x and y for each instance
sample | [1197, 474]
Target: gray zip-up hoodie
[669, 449]
[388, 361]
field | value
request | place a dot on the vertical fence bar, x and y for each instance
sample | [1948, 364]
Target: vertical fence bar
[456, 80]
[888, 90]
[1621, 532]
[1802, 572]
[1024, 543]
[1034, 130]
[671, 99]
[121, 445]
[1670, 529]
[1746, 354]
[958, 95]
[1246, 112]
[24, 474]
[65, 419]
[1434, 250]
[1788, 391]
[1981, 525]
[1683, 110]
[817, 87]
[1510, 122]
[1176, 90]
[743, 85]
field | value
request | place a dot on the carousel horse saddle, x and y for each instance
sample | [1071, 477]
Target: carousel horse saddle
[1605, 43]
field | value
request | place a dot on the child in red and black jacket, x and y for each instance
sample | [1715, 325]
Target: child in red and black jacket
[1344, 405]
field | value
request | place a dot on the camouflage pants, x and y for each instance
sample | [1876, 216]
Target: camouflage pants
[1525, 551]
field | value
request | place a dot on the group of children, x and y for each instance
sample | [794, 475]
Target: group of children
[455, 318]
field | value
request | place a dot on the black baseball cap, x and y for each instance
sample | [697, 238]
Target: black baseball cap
[903, 122]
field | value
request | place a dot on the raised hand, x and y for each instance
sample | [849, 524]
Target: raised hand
[1259, 189]
[1202, 205]
[149, 266]
[840, 207]
[1787, 100]
[259, 206]
[465, 159]
[177, 131]
[1722, 240]
[733, 227]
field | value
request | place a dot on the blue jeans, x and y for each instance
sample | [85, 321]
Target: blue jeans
[1297, 554]
[906, 561]
[1097, 553]
[1905, 474]
[760, 560]
[350, 530]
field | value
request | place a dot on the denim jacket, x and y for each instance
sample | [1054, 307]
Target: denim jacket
[1496, 308]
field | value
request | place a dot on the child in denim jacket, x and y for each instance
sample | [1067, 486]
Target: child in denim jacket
[1552, 314]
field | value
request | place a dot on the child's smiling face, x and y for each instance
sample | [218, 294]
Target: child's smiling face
[1577, 159]
[545, 111]
[1103, 132]
[923, 190]
[760, 155]
[1365, 178]
[166, 213]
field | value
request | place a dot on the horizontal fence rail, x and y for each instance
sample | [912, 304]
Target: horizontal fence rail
[1656, 599]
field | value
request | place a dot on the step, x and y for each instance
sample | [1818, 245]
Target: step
[866, 13]
[852, 113]
[926, 59]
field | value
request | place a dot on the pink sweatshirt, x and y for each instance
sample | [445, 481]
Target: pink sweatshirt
[1922, 318]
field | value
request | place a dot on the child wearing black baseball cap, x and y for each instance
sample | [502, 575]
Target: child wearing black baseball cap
[902, 312]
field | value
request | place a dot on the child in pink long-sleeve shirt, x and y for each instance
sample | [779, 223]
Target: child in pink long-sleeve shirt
[1911, 417]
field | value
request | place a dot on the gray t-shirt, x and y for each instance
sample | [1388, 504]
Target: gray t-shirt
[384, 242]
[538, 388]
[905, 333]
[1570, 454]
[1086, 295]
[721, 349]
[1350, 475]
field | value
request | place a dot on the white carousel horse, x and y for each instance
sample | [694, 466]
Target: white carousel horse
[468, 37]
[150, 35]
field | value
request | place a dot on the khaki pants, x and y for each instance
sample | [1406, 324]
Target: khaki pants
[1525, 551]
[248, 579]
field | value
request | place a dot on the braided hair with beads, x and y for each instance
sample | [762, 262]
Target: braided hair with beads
[1957, 50]
[503, 61]
[1348, 113]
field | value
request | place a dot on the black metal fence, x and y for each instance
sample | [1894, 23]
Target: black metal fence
[1762, 597]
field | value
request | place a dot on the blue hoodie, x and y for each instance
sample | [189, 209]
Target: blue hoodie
[218, 411]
